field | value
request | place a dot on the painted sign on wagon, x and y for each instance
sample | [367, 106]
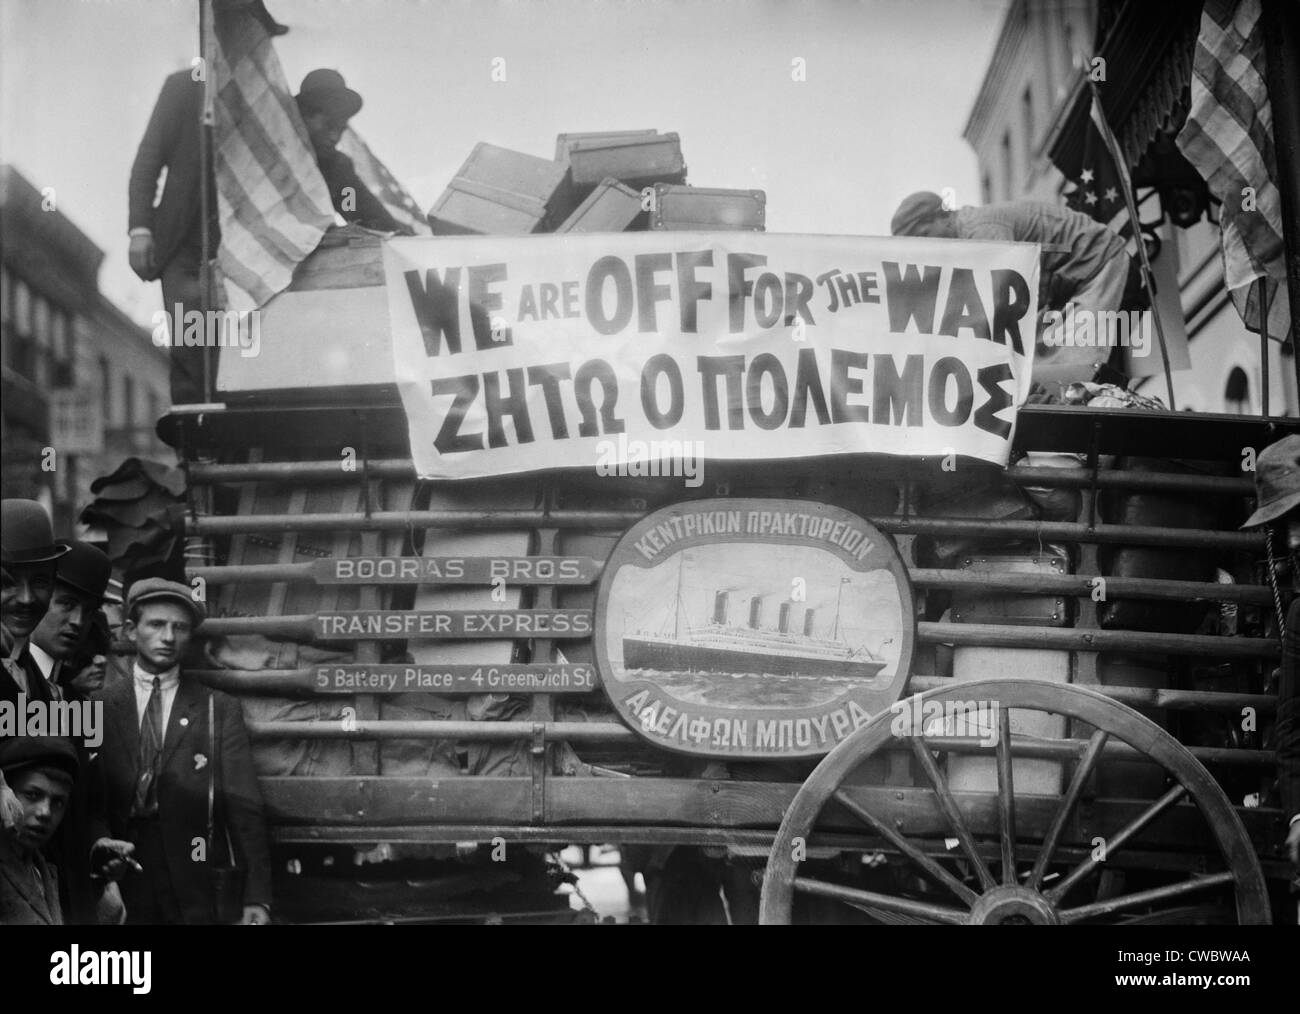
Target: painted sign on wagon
[514, 354]
[753, 628]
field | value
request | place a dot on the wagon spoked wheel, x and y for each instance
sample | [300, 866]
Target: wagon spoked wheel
[1010, 867]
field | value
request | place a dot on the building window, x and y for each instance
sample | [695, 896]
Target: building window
[128, 401]
[1008, 189]
[1236, 396]
[986, 189]
[1027, 122]
[22, 308]
[40, 321]
[72, 326]
[105, 390]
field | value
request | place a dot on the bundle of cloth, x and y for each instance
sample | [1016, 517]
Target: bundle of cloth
[140, 508]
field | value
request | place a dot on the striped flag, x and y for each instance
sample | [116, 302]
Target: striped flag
[273, 201]
[380, 182]
[1228, 138]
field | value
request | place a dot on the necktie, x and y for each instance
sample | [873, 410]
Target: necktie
[151, 736]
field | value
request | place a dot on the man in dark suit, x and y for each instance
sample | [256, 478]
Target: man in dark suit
[1277, 487]
[166, 241]
[157, 782]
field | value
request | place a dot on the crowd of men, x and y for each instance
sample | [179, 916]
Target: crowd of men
[150, 811]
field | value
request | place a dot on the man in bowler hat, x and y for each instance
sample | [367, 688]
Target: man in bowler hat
[80, 581]
[28, 561]
[1277, 488]
[159, 759]
[326, 104]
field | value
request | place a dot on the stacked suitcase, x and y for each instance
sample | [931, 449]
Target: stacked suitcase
[609, 181]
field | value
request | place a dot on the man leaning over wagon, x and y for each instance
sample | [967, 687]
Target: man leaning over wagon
[1083, 263]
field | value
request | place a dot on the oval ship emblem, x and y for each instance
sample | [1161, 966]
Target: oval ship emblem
[753, 628]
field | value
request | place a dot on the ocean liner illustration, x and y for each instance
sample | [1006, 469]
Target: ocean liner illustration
[720, 646]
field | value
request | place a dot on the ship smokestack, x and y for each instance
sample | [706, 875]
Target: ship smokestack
[808, 616]
[783, 618]
[755, 611]
[720, 609]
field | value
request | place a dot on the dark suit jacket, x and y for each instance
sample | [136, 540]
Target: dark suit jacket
[22, 900]
[172, 141]
[183, 790]
[364, 208]
[37, 688]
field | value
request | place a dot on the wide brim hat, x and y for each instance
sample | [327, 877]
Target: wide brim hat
[26, 535]
[85, 568]
[325, 90]
[1277, 481]
[916, 210]
[157, 589]
[17, 753]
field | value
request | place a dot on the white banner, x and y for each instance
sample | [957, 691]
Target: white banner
[522, 353]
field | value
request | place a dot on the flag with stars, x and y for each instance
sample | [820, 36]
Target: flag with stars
[1100, 187]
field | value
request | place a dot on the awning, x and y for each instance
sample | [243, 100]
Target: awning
[1148, 49]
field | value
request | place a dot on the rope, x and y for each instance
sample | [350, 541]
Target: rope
[1272, 582]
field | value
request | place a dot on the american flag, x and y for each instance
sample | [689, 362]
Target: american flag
[1228, 138]
[273, 202]
[380, 182]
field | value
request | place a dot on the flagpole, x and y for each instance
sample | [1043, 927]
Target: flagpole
[1148, 278]
[205, 180]
[1262, 284]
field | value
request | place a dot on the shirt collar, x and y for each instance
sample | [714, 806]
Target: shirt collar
[167, 680]
[43, 659]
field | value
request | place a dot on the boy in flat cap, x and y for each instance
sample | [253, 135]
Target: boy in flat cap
[168, 742]
[41, 771]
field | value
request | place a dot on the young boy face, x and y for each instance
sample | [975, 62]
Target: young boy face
[44, 800]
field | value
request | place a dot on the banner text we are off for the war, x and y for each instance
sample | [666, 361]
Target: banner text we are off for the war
[519, 354]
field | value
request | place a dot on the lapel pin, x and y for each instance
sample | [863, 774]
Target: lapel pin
[200, 762]
[184, 722]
